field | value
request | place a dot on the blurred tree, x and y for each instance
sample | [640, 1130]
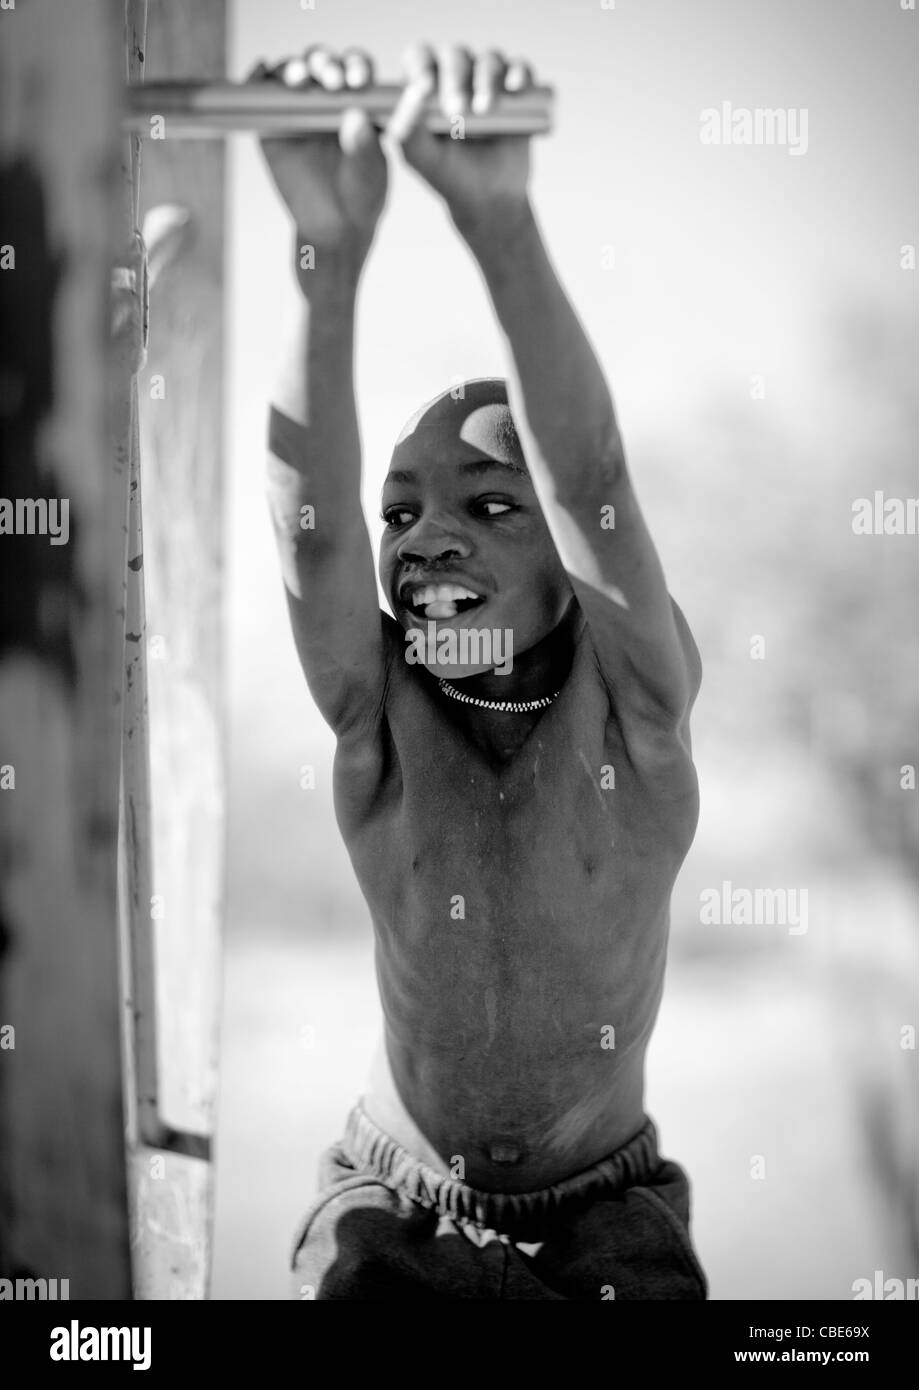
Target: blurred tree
[766, 539]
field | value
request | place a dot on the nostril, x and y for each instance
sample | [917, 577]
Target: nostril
[424, 555]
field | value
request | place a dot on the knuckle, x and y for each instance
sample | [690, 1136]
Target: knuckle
[293, 72]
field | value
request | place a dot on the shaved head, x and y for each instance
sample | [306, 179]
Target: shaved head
[475, 415]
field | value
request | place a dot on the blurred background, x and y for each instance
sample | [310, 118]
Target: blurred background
[758, 318]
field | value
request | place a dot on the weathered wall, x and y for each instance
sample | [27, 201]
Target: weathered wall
[181, 445]
[62, 1183]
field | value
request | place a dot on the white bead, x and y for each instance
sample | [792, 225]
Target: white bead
[504, 706]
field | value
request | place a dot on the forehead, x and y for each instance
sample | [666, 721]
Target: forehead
[458, 438]
[453, 465]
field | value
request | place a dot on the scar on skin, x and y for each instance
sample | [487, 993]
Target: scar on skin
[582, 758]
[564, 1136]
[491, 1009]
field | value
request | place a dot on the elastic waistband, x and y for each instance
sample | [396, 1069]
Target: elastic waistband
[517, 1214]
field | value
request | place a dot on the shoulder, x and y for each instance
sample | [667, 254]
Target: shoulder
[690, 650]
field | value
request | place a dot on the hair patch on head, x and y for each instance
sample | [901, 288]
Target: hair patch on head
[506, 438]
[475, 412]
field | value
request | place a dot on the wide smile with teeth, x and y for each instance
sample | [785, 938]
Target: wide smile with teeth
[442, 600]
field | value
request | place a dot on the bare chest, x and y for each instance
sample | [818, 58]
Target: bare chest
[564, 831]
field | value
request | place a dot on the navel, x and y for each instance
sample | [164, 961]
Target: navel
[502, 1151]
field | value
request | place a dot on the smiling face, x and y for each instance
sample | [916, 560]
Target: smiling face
[465, 544]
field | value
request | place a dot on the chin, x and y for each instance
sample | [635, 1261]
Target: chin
[455, 651]
[457, 673]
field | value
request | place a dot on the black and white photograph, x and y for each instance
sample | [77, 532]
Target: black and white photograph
[459, 664]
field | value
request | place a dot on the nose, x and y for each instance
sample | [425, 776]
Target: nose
[434, 539]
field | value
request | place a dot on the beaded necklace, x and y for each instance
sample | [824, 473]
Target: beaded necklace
[507, 706]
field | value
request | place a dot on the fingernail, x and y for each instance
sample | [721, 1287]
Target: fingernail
[294, 72]
[357, 71]
[317, 61]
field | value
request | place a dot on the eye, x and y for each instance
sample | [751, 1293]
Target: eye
[492, 506]
[397, 516]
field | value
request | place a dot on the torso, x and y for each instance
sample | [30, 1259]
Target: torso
[521, 911]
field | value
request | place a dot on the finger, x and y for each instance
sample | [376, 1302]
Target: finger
[407, 121]
[332, 75]
[358, 68]
[519, 76]
[316, 57]
[487, 81]
[455, 66]
[356, 134]
[294, 72]
[420, 69]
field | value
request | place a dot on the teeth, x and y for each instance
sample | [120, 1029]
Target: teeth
[440, 593]
[440, 610]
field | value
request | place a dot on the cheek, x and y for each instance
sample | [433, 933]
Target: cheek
[387, 558]
[541, 598]
[536, 605]
[546, 577]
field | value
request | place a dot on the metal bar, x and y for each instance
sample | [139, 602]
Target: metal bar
[201, 109]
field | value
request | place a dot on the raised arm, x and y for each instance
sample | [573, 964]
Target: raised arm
[334, 188]
[558, 395]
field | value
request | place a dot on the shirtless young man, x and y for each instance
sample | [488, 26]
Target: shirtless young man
[517, 862]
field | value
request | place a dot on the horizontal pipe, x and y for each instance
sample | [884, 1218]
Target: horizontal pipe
[193, 109]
